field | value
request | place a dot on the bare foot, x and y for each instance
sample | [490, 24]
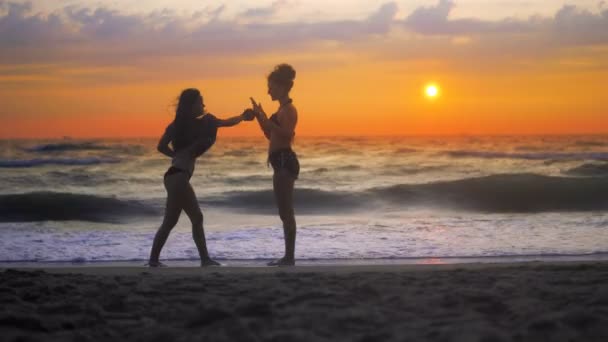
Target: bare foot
[283, 262]
[209, 262]
[155, 264]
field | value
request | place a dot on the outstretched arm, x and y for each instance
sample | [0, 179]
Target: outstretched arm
[233, 121]
[163, 143]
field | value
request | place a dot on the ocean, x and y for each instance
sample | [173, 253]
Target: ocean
[377, 198]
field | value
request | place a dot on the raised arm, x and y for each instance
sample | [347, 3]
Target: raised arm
[260, 120]
[163, 143]
[261, 117]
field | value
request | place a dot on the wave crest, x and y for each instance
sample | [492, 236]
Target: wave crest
[25, 163]
[497, 193]
[528, 156]
[54, 206]
[506, 193]
[588, 170]
[61, 147]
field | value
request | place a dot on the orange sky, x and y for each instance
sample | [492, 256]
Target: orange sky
[368, 84]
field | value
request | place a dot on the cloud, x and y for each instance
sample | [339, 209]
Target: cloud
[581, 27]
[106, 24]
[434, 20]
[19, 28]
[265, 12]
[571, 25]
[382, 20]
[71, 29]
[105, 36]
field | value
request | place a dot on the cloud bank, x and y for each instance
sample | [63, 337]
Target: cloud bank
[105, 35]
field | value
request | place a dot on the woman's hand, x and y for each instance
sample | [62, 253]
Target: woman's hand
[248, 115]
[261, 117]
[257, 107]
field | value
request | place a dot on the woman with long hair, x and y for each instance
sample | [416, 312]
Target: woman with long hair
[191, 134]
[279, 129]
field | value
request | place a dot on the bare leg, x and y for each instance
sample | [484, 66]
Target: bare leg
[193, 211]
[173, 208]
[283, 184]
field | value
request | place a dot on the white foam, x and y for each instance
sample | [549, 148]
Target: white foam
[354, 238]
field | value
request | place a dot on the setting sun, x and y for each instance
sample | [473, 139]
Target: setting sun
[432, 91]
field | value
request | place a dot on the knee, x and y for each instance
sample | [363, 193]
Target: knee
[286, 215]
[168, 225]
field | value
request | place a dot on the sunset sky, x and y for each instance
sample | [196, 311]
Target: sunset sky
[84, 68]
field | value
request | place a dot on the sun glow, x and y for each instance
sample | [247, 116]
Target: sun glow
[431, 91]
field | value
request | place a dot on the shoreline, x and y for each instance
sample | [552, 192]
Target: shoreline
[136, 270]
[255, 263]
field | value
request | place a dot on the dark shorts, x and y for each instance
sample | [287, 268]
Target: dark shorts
[285, 159]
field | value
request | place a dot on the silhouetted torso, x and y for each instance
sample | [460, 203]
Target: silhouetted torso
[278, 141]
[184, 159]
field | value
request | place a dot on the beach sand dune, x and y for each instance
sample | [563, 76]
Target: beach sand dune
[477, 302]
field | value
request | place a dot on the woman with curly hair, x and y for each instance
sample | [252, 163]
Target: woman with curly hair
[279, 129]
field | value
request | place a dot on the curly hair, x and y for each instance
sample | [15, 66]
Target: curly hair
[283, 74]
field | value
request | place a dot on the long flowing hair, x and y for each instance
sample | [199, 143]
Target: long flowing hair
[185, 119]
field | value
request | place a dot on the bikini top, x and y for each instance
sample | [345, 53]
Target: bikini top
[274, 117]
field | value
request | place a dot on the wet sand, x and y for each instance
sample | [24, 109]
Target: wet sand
[535, 301]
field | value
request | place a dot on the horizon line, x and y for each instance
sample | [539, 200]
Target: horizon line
[330, 136]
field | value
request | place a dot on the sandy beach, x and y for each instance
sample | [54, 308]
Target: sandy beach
[538, 301]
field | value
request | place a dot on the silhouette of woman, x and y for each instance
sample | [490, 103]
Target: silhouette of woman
[191, 134]
[279, 129]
